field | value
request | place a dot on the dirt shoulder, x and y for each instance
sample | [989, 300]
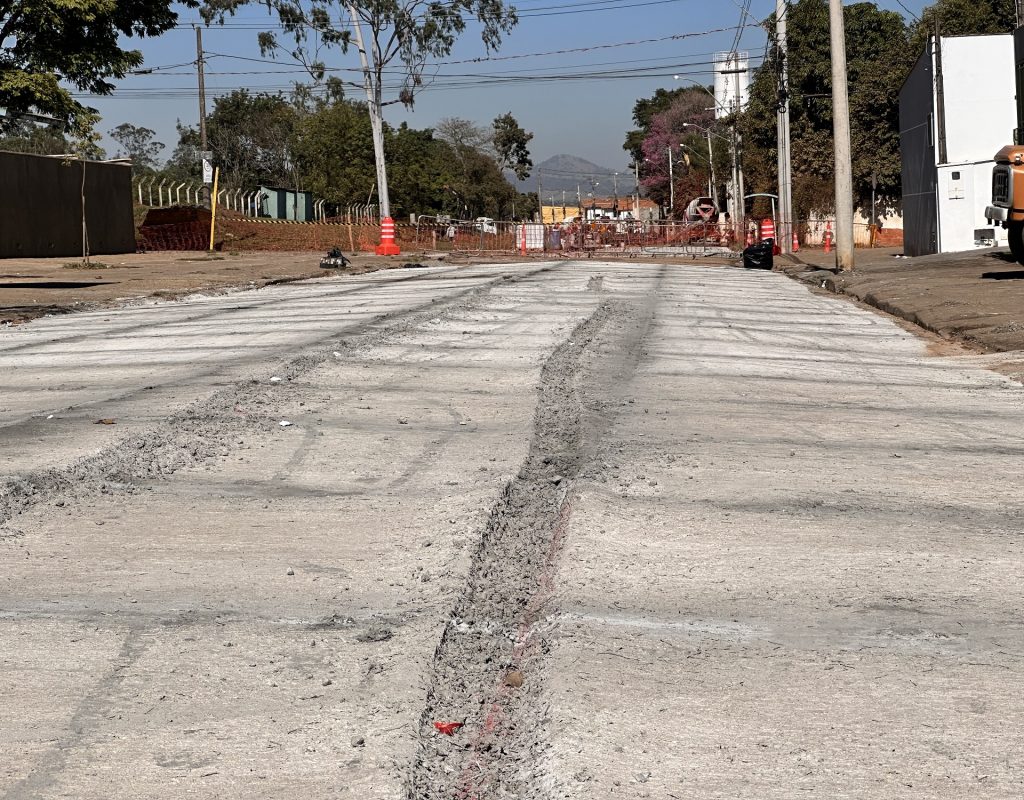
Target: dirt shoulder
[35, 287]
[975, 297]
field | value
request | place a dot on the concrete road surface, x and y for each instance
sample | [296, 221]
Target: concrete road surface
[523, 531]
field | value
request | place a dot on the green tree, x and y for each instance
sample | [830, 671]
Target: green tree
[251, 137]
[49, 46]
[334, 153]
[475, 184]
[420, 171]
[964, 18]
[385, 32]
[879, 58]
[184, 163]
[26, 137]
[137, 143]
[511, 146]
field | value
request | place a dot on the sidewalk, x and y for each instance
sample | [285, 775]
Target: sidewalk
[976, 297]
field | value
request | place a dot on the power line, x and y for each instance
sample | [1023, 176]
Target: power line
[537, 11]
[565, 51]
[459, 84]
[661, 64]
[912, 14]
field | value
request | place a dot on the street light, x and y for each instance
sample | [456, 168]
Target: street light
[711, 161]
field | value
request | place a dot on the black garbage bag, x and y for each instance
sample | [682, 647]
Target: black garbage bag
[760, 255]
[334, 259]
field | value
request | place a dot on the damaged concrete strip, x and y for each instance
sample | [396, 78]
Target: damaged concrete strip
[481, 730]
[210, 428]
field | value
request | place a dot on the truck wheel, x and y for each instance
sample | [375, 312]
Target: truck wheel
[1015, 233]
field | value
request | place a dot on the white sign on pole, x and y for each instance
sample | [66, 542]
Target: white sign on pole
[207, 171]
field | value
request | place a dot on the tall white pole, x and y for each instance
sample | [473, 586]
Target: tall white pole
[741, 198]
[841, 134]
[785, 221]
[711, 166]
[372, 87]
[636, 168]
[671, 186]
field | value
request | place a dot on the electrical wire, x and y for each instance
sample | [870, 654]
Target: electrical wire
[912, 14]
[165, 93]
[481, 59]
[538, 11]
[660, 64]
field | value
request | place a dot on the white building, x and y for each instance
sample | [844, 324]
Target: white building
[957, 108]
[732, 83]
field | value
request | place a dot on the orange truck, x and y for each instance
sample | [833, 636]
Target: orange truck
[1007, 207]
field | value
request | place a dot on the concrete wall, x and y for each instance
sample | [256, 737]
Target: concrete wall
[41, 207]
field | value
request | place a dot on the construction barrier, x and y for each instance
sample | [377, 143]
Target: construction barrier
[187, 228]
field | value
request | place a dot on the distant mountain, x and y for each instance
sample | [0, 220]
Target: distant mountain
[566, 172]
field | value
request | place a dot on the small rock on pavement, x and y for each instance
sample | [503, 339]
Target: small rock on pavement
[358, 741]
[557, 479]
[514, 679]
[290, 571]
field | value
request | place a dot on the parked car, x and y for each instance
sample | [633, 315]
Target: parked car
[485, 225]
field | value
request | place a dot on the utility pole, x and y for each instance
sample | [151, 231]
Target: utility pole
[204, 152]
[739, 139]
[202, 88]
[372, 88]
[636, 168]
[841, 134]
[732, 106]
[540, 200]
[711, 176]
[671, 186]
[737, 201]
[785, 221]
[615, 207]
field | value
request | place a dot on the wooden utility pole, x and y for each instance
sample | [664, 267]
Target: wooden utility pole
[841, 135]
[202, 89]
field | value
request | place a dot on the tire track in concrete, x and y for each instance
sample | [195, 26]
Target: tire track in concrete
[208, 428]
[488, 666]
[202, 314]
[95, 705]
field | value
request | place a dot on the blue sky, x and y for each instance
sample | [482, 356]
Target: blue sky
[577, 102]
